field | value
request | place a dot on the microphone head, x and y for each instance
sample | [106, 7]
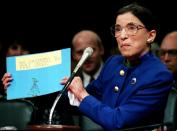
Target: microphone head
[88, 51]
[86, 54]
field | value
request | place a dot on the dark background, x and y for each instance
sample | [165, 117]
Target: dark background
[44, 26]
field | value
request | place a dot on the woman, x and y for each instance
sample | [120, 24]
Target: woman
[132, 89]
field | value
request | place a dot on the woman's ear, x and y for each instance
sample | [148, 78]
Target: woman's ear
[151, 37]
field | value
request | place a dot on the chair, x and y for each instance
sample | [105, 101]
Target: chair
[170, 116]
[15, 113]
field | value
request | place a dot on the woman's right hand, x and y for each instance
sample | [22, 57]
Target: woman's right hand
[6, 80]
[76, 87]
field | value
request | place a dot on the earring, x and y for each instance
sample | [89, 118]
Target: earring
[149, 40]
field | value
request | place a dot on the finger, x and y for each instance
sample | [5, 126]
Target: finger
[6, 85]
[64, 80]
[7, 80]
[6, 75]
[69, 89]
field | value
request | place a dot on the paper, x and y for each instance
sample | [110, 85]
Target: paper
[72, 99]
[38, 74]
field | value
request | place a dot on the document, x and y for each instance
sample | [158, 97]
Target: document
[38, 74]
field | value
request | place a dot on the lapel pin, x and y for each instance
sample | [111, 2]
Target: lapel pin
[133, 81]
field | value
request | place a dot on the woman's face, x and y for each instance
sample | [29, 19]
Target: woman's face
[132, 37]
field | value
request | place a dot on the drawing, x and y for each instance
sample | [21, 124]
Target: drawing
[34, 90]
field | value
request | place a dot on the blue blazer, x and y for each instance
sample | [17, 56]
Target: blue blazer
[124, 96]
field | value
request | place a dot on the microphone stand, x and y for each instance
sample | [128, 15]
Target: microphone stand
[59, 96]
[87, 53]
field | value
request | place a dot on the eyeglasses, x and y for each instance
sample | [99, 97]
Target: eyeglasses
[171, 53]
[130, 29]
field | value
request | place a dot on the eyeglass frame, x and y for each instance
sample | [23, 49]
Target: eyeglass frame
[170, 52]
[137, 27]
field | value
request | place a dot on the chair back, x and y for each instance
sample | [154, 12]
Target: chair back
[170, 115]
[15, 113]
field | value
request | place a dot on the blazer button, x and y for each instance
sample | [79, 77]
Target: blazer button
[122, 72]
[116, 89]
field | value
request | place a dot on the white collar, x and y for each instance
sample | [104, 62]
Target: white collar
[86, 77]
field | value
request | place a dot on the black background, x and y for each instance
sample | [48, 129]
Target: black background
[45, 26]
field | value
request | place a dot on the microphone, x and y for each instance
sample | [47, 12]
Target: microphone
[86, 54]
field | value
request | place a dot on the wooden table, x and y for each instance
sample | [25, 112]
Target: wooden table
[54, 127]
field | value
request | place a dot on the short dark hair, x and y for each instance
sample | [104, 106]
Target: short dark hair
[142, 13]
